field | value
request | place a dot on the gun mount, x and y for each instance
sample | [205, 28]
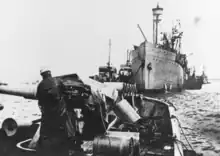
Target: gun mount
[29, 91]
[145, 127]
[121, 108]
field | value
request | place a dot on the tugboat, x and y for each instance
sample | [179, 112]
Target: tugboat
[157, 66]
[109, 76]
[106, 73]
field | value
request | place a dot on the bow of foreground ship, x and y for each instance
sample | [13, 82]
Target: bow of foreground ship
[140, 126]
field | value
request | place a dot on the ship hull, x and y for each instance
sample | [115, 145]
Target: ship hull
[158, 72]
[193, 84]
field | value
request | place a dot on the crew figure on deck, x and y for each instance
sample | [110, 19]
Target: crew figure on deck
[52, 133]
[70, 111]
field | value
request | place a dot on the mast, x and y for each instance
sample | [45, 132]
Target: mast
[109, 54]
[156, 13]
[128, 57]
[203, 70]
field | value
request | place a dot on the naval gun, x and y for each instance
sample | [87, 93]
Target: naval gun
[108, 90]
[164, 134]
[121, 108]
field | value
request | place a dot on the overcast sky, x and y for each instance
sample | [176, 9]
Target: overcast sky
[72, 35]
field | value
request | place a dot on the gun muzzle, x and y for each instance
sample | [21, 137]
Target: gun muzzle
[11, 126]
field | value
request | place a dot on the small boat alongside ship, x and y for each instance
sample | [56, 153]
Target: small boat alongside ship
[192, 82]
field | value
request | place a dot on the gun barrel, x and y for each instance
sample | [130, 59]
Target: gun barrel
[26, 91]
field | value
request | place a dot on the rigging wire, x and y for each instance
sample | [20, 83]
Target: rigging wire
[184, 133]
[181, 143]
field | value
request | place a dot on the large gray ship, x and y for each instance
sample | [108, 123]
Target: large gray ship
[159, 66]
